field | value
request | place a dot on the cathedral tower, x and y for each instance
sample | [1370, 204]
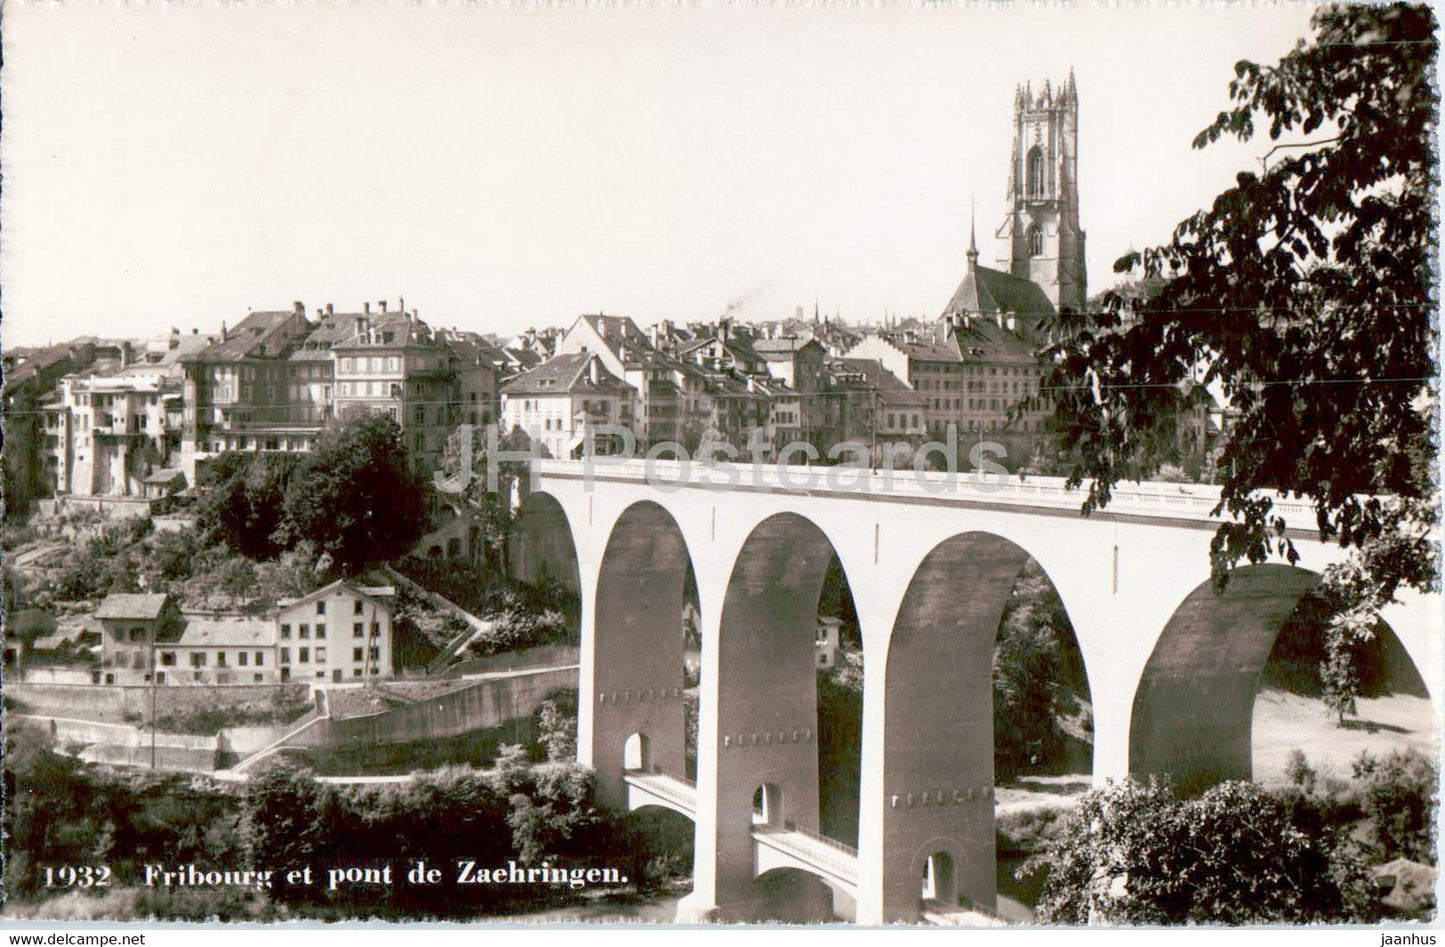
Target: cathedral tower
[1040, 239]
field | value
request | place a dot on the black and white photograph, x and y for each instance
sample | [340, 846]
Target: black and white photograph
[709, 465]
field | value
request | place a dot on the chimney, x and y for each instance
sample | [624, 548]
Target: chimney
[1012, 322]
[329, 310]
[998, 317]
[366, 308]
[361, 326]
[225, 333]
[723, 325]
[299, 308]
[195, 331]
[382, 304]
[401, 304]
[592, 371]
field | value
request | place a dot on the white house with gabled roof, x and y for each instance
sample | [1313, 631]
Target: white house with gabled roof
[339, 633]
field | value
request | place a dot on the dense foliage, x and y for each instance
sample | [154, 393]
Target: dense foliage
[59, 811]
[1140, 853]
[355, 497]
[1304, 294]
[1039, 684]
[1136, 853]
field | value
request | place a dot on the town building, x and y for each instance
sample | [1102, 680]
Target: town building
[342, 632]
[628, 354]
[133, 627]
[338, 633]
[564, 398]
[1040, 239]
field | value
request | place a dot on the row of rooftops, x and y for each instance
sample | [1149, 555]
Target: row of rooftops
[214, 628]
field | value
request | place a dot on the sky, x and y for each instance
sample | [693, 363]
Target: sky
[510, 165]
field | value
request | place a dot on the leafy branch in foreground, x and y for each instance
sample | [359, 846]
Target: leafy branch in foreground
[1303, 296]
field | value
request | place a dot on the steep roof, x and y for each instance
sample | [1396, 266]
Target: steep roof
[391, 328]
[623, 337]
[984, 340]
[332, 330]
[233, 632]
[565, 373]
[145, 606]
[258, 329]
[990, 291]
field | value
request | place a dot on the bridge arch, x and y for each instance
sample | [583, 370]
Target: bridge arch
[542, 548]
[938, 751]
[1193, 710]
[635, 689]
[767, 701]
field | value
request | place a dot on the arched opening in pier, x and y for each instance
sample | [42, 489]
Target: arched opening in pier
[938, 884]
[634, 753]
[768, 805]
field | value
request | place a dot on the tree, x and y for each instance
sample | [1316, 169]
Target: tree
[1305, 295]
[355, 496]
[557, 727]
[241, 501]
[491, 509]
[1397, 794]
[1135, 853]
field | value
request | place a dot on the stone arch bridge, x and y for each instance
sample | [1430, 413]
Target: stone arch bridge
[1173, 666]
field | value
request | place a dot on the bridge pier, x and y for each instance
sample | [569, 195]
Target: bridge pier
[632, 654]
[1157, 657]
[758, 716]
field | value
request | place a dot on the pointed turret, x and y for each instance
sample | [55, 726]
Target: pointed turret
[972, 238]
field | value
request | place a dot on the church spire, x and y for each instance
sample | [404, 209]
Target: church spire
[972, 235]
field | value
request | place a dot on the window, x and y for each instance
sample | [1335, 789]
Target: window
[420, 414]
[1036, 241]
[356, 672]
[303, 656]
[241, 659]
[375, 653]
[285, 655]
[305, 631]
[321, 631]
[168, 659]
[220, 659]
[198, 659]
[356, 607]
[286, 631]
[260, 659]
[375, 628]
[358, 630]
[321, 608]
[320, 655]
[1036, 172]
[137, 634]
[356, 654]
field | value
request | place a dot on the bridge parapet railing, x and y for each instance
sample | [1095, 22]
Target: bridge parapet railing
[1191, 500]
[664, 784]
[812, 847]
